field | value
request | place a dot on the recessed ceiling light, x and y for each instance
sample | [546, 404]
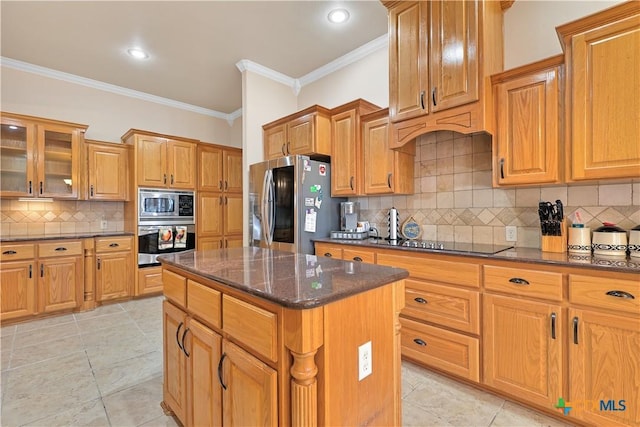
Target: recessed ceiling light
[138, 53]
[338, 16]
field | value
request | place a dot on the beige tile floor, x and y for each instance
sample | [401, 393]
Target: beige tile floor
[104, 368]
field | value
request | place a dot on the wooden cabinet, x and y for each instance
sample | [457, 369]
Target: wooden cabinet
[523, 339]
[163, 161]
[220, 219]
[528, 140]
[602, 53]
[347, 166]
[604, 345]
[17, 281]
[114, 267]
[306, 132]
[440, 53]
[149, 281]
[174, 361]
[328, 250]
[61, 276]
[108, 166]
[386, 171]
[40, 157]
[441, 318]
[250, 393]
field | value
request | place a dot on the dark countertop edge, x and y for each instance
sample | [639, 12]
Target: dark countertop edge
[303, 305]
[524, 255]
[80, 235]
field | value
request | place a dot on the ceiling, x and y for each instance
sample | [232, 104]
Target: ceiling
[193, 45]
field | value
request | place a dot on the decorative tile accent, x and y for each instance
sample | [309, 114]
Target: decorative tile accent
[455, 198]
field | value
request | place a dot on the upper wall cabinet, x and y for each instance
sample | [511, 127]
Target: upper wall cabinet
[347, 168]
[108, 170]
[306, 132]
[219, 168]
[40, 157]
[441, 53]
[162, 161]
[602, 54]
[528, 132]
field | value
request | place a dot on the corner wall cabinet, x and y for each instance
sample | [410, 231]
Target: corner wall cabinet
[219, 218]
[429, 87]
[528, 139]
[306, 132]
[386, 171]
[108, 171]
[40, 157]
[347, 165]
[162, 161]
[602, 53]
[548, 330]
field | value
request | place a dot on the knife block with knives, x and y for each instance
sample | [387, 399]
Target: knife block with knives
[553, 227]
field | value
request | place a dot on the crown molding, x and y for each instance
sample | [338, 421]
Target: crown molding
[248, 65]
[346, 59]
[95, 84]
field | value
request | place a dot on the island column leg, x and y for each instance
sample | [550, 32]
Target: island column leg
[303, 338]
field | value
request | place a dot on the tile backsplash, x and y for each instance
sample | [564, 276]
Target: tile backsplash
[59, 217]
[455, 201]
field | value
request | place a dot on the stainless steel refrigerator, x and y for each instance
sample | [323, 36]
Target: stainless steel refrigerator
[290, 204]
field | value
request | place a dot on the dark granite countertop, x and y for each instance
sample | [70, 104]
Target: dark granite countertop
[62, 236]
[291, 280]
[527, 255]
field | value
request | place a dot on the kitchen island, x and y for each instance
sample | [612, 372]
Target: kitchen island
[260, 337]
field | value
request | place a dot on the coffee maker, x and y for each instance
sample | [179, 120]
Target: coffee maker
[349, 213]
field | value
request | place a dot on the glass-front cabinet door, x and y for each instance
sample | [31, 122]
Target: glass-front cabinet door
[57, 165]
[16, 159]
[39, 157]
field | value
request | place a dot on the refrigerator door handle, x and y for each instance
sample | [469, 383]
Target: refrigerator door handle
[265, 206]
[272, 207]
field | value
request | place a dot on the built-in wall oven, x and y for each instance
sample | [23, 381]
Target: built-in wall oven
[166, 223]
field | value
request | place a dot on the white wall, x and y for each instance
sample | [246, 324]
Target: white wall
[367, 79]
[108, 115]
[530, 27]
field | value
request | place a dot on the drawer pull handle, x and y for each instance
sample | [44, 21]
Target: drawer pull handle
[184, 348]
[518, 281]
[91, 190]
[178, 335]
[9, 253]
[575, 330]
[351, 183]
[220, 371]
[41, 270]
[30, 271]
[502, 168]
[553, 326]
[621, 294]
[357, 258]
[420, 342]
[114, 245]
[328, 254]
[30, 187]
[61, 249]
[422, 99]
[99, 263]
[420, 300]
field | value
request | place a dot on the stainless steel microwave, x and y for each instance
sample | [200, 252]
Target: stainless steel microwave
[172, 207]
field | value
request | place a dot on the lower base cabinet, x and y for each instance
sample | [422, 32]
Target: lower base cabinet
[114, 268]
[149, 281]
[17, 289]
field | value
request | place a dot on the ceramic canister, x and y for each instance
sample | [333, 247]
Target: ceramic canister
[634, 242]
[610, 240]
[579, 240]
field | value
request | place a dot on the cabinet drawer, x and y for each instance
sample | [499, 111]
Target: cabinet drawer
[517, 281]
[599, 292]
[454, 353]
[17, 252]
[113, 244]
[61, 248]
[447, 306]
[332, 251]
[204, 302]
[251, 325]
[355, 255]
[456, 273]
[174, 287]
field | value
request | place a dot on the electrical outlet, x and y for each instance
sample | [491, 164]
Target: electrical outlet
[511, 233]
[365, 364]
[103, 224]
